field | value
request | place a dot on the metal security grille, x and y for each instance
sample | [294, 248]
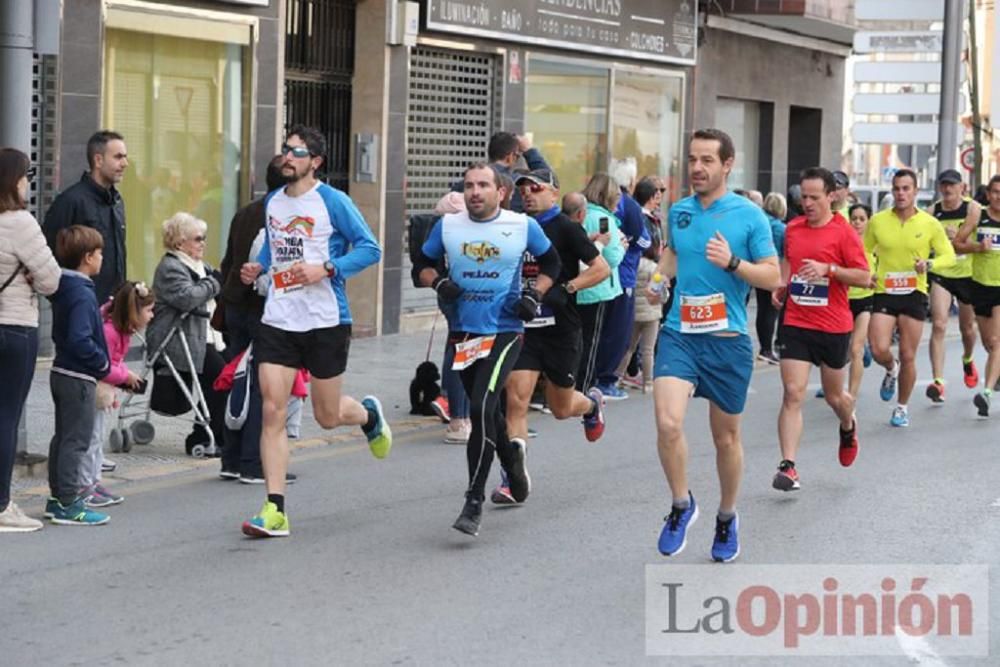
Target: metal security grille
[44, 117]
[454, 102]
[319, 65]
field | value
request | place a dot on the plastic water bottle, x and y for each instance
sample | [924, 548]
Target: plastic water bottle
[658, 286]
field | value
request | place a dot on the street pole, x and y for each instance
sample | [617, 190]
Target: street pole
[977, 121]
[951, 76]
[17, 45]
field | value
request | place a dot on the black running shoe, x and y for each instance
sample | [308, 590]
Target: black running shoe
[472, 514]
[517, 472]
[982, 403]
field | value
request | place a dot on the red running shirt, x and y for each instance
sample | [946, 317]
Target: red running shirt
[823, 305]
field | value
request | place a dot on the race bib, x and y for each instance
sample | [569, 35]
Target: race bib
[470, 351]
[544, 317]
[994, 237]
[284, 280]
[900, 282]
[806, 293]
[703, 314]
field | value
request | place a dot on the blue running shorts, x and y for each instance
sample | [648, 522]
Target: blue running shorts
[719, 367]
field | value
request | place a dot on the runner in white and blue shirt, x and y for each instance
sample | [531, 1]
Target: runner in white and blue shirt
[485, 248]
[315, 238]
[719, 246]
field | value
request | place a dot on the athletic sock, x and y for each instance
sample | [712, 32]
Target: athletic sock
[987, 391]
[939, 381]
[727, 515]
[901, 406]
[895, 368]
[278, 500]
[372, 422]
[787, 462]
[682, 503]
[966, 360]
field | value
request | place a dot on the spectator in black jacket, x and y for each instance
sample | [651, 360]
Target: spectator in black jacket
[503, 152]
[95, 202]
[243, 307]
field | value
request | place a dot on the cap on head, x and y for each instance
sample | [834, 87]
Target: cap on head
[841, 179]
[949, 176]
[540, 176]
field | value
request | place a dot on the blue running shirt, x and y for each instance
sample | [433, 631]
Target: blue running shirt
[748, 233]
[484, 259]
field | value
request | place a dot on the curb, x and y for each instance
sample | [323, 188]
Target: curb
[39, 471]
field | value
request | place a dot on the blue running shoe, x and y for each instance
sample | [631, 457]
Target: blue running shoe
[673, 537]
[888, 389]
[77, 514]
[50, 507]
[867, 358]
[820, 393]
[899, 417]
[726, 545]
[612, 392]
[380, 438]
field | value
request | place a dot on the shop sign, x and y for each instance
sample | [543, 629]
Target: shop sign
[663, 30]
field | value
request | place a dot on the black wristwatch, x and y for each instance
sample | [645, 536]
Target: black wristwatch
[330, 269]
[734, 263]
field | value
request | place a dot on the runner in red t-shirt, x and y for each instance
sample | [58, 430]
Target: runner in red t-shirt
[823, 257]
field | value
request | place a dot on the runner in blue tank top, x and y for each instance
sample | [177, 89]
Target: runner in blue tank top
[719, 246]
[485, 248]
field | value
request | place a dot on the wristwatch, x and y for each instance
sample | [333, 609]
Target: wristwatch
[833, 270]
[330, 268]
[734, 263]
[570, 288]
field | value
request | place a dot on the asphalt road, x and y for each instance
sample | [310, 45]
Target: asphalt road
[374, 574]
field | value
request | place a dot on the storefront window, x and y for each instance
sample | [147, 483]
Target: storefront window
[740, 119]
[181, 105]
[567, 114]
[647, 125]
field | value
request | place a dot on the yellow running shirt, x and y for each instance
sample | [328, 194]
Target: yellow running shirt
[986, 265]
[854, 293]
[900, 244]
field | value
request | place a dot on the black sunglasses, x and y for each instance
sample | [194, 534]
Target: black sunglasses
[31, 173]
[296, 151]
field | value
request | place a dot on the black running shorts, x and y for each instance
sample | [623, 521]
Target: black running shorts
[816, 347]
[985, 299]
[962, 289]
[556, 357]
[912, 305]
[862, 305]
[322, 352]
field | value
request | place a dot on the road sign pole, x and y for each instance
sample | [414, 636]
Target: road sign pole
[950, 81]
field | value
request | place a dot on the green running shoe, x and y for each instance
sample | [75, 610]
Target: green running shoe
[380, 438]
[269, 522]
[77, 514]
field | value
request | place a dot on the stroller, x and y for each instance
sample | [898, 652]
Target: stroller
[169, 400]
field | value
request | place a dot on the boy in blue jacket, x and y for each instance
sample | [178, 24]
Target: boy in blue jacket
[81, 360]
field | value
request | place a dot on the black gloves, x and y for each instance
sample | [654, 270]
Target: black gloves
[446, 288]
[557, 298]
[527, 305]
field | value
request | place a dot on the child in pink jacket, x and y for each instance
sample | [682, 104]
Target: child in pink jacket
[129, 312]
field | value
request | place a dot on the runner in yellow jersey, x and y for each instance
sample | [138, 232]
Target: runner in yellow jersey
[861, 300]
[986, 279]
[902, 238]
[952, 210]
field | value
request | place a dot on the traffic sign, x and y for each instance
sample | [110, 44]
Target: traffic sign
[899, 10]
[969, 159]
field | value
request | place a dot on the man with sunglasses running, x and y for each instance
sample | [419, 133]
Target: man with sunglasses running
[315, 240]
[553, 340]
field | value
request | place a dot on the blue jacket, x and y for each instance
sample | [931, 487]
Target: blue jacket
[353, 247]
[777, 234]
[633, 226]
[77, 329]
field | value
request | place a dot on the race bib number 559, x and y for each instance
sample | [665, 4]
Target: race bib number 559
[703, 314]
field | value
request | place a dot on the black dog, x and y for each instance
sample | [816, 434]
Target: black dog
[424, 388]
